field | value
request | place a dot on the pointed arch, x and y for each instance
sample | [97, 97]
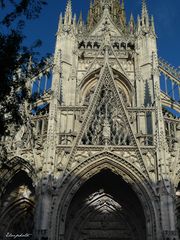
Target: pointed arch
[12, 167]
[88, 83]
[17, 216]
[90, 168]
[17, 197]
[98, 214]
[124, 85]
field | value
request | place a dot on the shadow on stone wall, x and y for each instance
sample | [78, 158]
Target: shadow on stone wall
[106, 202]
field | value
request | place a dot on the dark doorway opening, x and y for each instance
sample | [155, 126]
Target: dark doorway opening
[105, 208]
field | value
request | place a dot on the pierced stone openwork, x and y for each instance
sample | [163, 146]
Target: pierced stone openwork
[109, 126]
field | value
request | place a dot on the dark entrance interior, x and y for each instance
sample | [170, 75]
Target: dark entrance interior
[17, 207]
[105, 208]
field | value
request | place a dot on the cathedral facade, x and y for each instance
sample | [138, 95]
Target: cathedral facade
[101, 159]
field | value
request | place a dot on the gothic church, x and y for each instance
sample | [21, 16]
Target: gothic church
[101, 159]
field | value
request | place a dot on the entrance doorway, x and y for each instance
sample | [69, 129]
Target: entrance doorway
[105, 208]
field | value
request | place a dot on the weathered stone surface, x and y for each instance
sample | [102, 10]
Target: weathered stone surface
[102, 159]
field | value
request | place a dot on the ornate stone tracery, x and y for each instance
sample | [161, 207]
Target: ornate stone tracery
[108, 126]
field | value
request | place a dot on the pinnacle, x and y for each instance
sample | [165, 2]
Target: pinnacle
[68, 13]
[80, 17]
[69, 3]
[145, 15]
[69, 6]
[144, 8]
[132, 18]
[91, 4]
[122, 5]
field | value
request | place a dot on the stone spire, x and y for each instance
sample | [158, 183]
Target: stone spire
[74, 20]
[68, 13]
[80, 20]
[145, 15]
[152, 24]
[80, 23]
[123, 13]
[122, 5]
[145, 24]
[144, 8]
[60, 23]
[116, 10]
[90, 15]
[131, 24]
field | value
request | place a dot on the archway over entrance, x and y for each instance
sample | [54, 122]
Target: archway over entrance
[105, 207]
[17, 207]
[123, 172]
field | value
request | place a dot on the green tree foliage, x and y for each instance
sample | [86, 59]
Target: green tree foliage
[29, 8]
[15, 67]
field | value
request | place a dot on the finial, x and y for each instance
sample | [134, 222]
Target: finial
[68, 13]
[138, 23]
[131, 23]
[144, 8]
[74, 20]
[80, 21]
[91, 4]
[152, 24]
[69, 5]
[60, 22]
[122, 5]
[145, 15]
[131, 18]
[123, 13]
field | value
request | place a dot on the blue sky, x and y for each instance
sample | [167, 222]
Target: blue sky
[166, 14]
